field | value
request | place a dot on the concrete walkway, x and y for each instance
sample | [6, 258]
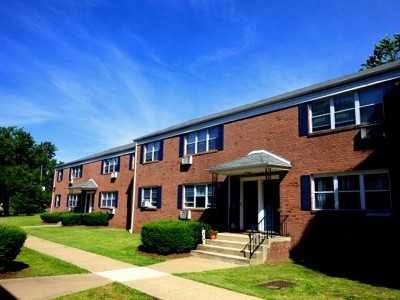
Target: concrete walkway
[155, 280]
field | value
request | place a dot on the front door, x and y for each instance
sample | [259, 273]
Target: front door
[250, 204]
[88, 202]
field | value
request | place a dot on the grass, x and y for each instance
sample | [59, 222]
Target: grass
[111, 242]
[20, 221]
[112, 291]
[30, 263]
[309, 284]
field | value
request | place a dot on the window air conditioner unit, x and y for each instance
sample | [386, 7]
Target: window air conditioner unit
[71, 180]
[146, 204]
[69, 209]
[371, 132]
[187, 160]
[111, 211]
[114, 174]
[185, 215]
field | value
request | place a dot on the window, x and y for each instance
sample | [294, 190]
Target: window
[109, 199]
[73, 200]
[76, 172]
[150, 197]
[362, 107]
[132, 161]
[361, 191]
[152, 151]
[203, 140]
[57, 201]
[110, 165]
[199, 196]
[59, 175]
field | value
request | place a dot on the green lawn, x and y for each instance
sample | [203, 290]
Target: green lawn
[112, 291]
[34, 220]
[30, 263]
[111, 242]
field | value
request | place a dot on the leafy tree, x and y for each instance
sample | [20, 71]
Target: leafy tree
[387, 50]
[26, 171]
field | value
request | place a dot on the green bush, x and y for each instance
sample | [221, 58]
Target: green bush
[95, 219]
[172, 236]
[53, 217]
[71, 219]
[12, 238]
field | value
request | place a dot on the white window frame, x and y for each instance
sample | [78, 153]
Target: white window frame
[209, 188]
[76, 172]
[110, 165]
[357, 109]
[151, 148]
[108, 199]
[153, 201]
[361, 190]
[59, 175]
[73, 200]
[57, 200]
[197, 141]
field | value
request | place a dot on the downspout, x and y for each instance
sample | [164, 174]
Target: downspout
[133, 189]
[53, 190]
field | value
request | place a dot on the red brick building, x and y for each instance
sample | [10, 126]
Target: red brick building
[315, 159]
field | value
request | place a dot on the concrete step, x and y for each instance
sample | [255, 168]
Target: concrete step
[222, 257]
[228, 244]
[230, 251]
[233, 237]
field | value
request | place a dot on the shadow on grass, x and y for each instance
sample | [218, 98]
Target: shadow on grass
[8, 270]
[357, 248]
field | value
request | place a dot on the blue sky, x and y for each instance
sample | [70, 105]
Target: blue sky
[92, 75]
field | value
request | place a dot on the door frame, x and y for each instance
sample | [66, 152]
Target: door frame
[260, 200]
[89, 202]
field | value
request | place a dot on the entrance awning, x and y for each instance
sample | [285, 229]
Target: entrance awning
[89, 185]
[254, 162]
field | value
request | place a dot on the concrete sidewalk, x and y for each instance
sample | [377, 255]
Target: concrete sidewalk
[155, 280]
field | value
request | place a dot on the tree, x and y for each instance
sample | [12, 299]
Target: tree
[26, 172]
[387, 50]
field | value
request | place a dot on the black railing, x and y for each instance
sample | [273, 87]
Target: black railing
[265, 230]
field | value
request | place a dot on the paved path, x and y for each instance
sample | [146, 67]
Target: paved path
[155, 280]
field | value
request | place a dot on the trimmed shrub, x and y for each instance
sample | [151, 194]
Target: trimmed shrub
[95, 219]
[53, 217]
[71, 219]
[172, 236]
[12, 238]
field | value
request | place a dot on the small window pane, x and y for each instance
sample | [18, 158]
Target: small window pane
[321, 122]
[201, 146]
[343, 102]
[323, 184]
[190, 149]
[377, 200]
[189, 190]
[376, 181]
[372, 113]
[349, 200]
[371, 96]
[201, 202]
[349, 183]
[200, 190]
[202, 135]
[345, 118]
[321, 107]
[191, 138]
[213, 132]
[324, 201]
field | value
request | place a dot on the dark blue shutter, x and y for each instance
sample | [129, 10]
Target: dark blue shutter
[70, 173]
[303, 119]
[116, 199]
[141, 154]
[118, 164]
[161, 151]
[159, 196]
[220, 141]
[81, 171]
[180, 196]
[139, 200]
[305, 186]
[181, 145]
[102, 167]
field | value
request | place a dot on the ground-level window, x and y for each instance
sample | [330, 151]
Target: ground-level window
[109, 199]
[199, 196]
[57, 201]
[151, 197]
[369, 191]
[73, 200]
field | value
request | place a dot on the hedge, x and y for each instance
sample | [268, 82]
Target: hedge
[171, 236]
[12, 238]
[95, 219]
[53, 217]
[71, 219]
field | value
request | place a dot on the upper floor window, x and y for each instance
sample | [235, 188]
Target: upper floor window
[150, 197]
[76, 172]
[110, 165]
[109, 199]
[57, 201]
[368, 191]
[199, 196]
[152, 151]
[362, 107]
[59, 175]
[73, 200]
[202, 140]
